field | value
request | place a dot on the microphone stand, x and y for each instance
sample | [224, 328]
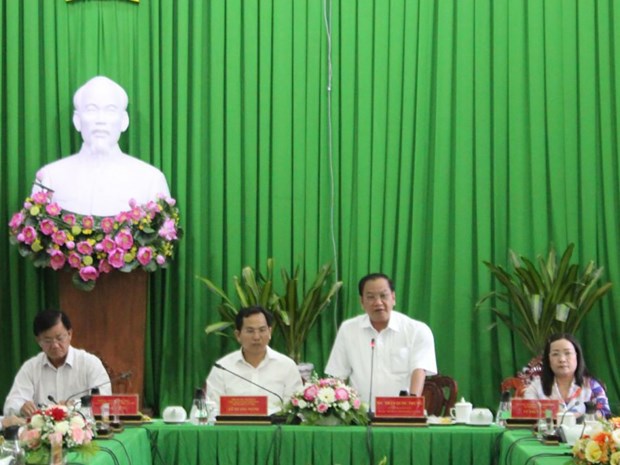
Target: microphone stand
[372, 370]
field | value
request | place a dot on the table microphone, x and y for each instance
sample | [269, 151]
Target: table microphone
[124, 375]
[217, 365]
[372, 369]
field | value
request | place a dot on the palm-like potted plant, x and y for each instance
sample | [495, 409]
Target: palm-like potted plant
[555, 297]
[295, 313]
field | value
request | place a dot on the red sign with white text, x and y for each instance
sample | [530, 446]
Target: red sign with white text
[532, 408]
[243, 405]
[399, 407]
[127, 404]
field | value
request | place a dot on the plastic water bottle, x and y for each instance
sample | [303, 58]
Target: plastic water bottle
[503, 410]
[10, 452]
[198, 415]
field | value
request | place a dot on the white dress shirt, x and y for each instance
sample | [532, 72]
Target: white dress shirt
[38, 378]
[101, 185]
[403, 346]
[276, 372]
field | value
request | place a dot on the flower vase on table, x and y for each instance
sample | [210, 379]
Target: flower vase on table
[326, 402]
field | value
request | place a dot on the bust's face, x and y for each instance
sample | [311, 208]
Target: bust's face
[100, 117]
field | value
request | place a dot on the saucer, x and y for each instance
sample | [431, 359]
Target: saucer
[479, 424]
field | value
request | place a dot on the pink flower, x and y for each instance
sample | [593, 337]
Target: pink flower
[84, 248]
[104, 267]
[133, 202]
[47, 227]
[168, 230]
[70, 245]
[59, 237]
[32, 437]
[29, 235]
[311, 392]
[89, 273]
[170, 201]
[294, 401]
[152, 206]
[322, 408]
[357, 404]
[40, 197]
[117, 258]
[78, 435]
[88, 222]
[341, 394]
[107, 225]
[74, 260]
[69, 218]
[53, 209]
[136, 214]
[145, 254]
[121, 217]
[55, 438]
[106, 245]
[160, 259]
[16, 220]
[57, 259]
[124, 239]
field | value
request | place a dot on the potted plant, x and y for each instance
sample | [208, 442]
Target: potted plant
[295, 313]
[553, 297]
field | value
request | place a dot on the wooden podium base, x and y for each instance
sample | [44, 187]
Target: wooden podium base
[110, 322]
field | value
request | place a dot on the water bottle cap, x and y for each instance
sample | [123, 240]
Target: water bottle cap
[199, 393]
[506, 396]
[10, 432]
[86, 401]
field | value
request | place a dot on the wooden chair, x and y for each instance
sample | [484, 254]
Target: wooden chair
[440, 393]
[516, 386]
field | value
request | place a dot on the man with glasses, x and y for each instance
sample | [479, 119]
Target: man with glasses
[60, 372]
[383, 351]
[256, 362]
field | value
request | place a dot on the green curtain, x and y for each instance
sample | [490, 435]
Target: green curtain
[460, 129]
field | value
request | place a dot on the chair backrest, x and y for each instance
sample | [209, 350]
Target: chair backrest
[440, 393]
[515, 385]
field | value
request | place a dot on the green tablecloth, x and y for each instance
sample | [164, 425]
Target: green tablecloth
[222, 445]
[131, 447]
[519, 447]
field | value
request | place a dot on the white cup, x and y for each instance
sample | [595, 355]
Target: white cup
[461, 411]
[174, 414]
[568, 419]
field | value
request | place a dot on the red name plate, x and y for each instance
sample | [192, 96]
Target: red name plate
[532, 408]
[128, 404]
[243, 405]
[399, 407]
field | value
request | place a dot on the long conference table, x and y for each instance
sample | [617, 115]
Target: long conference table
[158, 443]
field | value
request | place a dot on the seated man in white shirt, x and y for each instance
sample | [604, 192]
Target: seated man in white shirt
[59, 372]
[400, 350]
[257, 362]
[100, 179]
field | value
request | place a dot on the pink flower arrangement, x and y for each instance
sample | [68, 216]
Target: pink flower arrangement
[143, 236]
[59, 424]
[327, 397]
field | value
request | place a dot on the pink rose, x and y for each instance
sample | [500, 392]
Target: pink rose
[74, 260]
[53, 209]
[16, 220]
[322, 408]
[59, 237]
[107, 225]
[104, 267]
[136, 214]
[88, 222]
[89, 273]
[168, 230]
[341, 394]
[121, 217]
[145, 254]
[29, 235]
[117, 258]
[57, 259]
[160, 259]
[40, 197]
[310, 393]
[357, 404]
[124, 239]
[32, 437]
[295, 401]
[69, 218]
[84, 248]
[47, 227]
[106, 245]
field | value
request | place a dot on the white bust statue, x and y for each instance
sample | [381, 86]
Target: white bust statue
[100, 179]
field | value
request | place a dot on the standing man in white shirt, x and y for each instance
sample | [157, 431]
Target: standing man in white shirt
[399, 349]
[255, 361]
[60, 370]
[100, 179]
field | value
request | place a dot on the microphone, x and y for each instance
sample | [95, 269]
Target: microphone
[372, 369]
[217, 365]
[51, 399]
[123, 375]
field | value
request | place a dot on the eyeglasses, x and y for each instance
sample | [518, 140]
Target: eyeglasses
[60, 339]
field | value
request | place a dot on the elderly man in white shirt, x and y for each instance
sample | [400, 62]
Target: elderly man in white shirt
[100, 179]
[400, 350]
[60, 373]
[256, 362]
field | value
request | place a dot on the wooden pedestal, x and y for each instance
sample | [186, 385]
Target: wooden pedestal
[110, 322]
